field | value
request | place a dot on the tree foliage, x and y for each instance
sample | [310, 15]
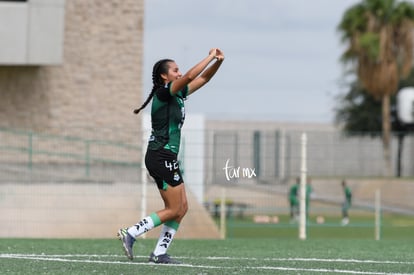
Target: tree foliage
[379, 37]
[380, 43]
[359, 112]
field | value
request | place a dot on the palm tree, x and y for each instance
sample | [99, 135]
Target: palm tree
[379, 38]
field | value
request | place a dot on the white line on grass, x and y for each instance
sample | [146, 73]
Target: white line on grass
[63, 258]
[339, 260]
[310, 260]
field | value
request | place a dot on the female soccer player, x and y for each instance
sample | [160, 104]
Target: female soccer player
[347, 202]
[169, 90]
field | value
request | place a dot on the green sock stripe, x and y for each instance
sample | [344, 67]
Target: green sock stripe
[155, 219]
[172, 224]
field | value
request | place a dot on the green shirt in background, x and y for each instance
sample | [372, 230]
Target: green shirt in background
[348, 195]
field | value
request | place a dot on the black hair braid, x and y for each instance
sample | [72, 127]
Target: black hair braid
[159, 68]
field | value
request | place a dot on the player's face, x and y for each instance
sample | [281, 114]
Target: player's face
[173, 72]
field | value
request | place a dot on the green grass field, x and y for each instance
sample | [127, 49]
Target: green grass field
[232, 256]
[251, 248]
[361, 227]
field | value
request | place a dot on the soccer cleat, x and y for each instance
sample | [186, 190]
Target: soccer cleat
[127, 242]
[162, 259]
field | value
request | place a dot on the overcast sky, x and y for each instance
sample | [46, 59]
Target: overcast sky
[282, 57]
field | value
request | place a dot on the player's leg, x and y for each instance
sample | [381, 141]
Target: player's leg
[292, 210]
[176, 206]
[129, 235]
[345, 218]
[153, 160]
[175, 203]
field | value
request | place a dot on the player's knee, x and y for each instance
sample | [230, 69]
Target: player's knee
[177, 213]
[181, 211]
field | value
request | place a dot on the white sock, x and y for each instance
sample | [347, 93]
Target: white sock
[165, 239]
[143, 226]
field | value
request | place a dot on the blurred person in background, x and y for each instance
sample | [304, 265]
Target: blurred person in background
[347, 202]
[294, 201]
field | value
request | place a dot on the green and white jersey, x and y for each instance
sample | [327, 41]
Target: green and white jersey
[167, 118]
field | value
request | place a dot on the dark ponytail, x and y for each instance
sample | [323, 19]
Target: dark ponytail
[161, 67]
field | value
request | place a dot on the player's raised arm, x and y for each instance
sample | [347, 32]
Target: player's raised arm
[207, 74]
[178, 84]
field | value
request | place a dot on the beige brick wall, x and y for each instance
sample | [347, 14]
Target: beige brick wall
[92, 94]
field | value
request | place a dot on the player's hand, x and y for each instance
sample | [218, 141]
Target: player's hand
[219, 55]
[213, 52]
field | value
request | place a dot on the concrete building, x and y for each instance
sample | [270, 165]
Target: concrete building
[71, 67]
